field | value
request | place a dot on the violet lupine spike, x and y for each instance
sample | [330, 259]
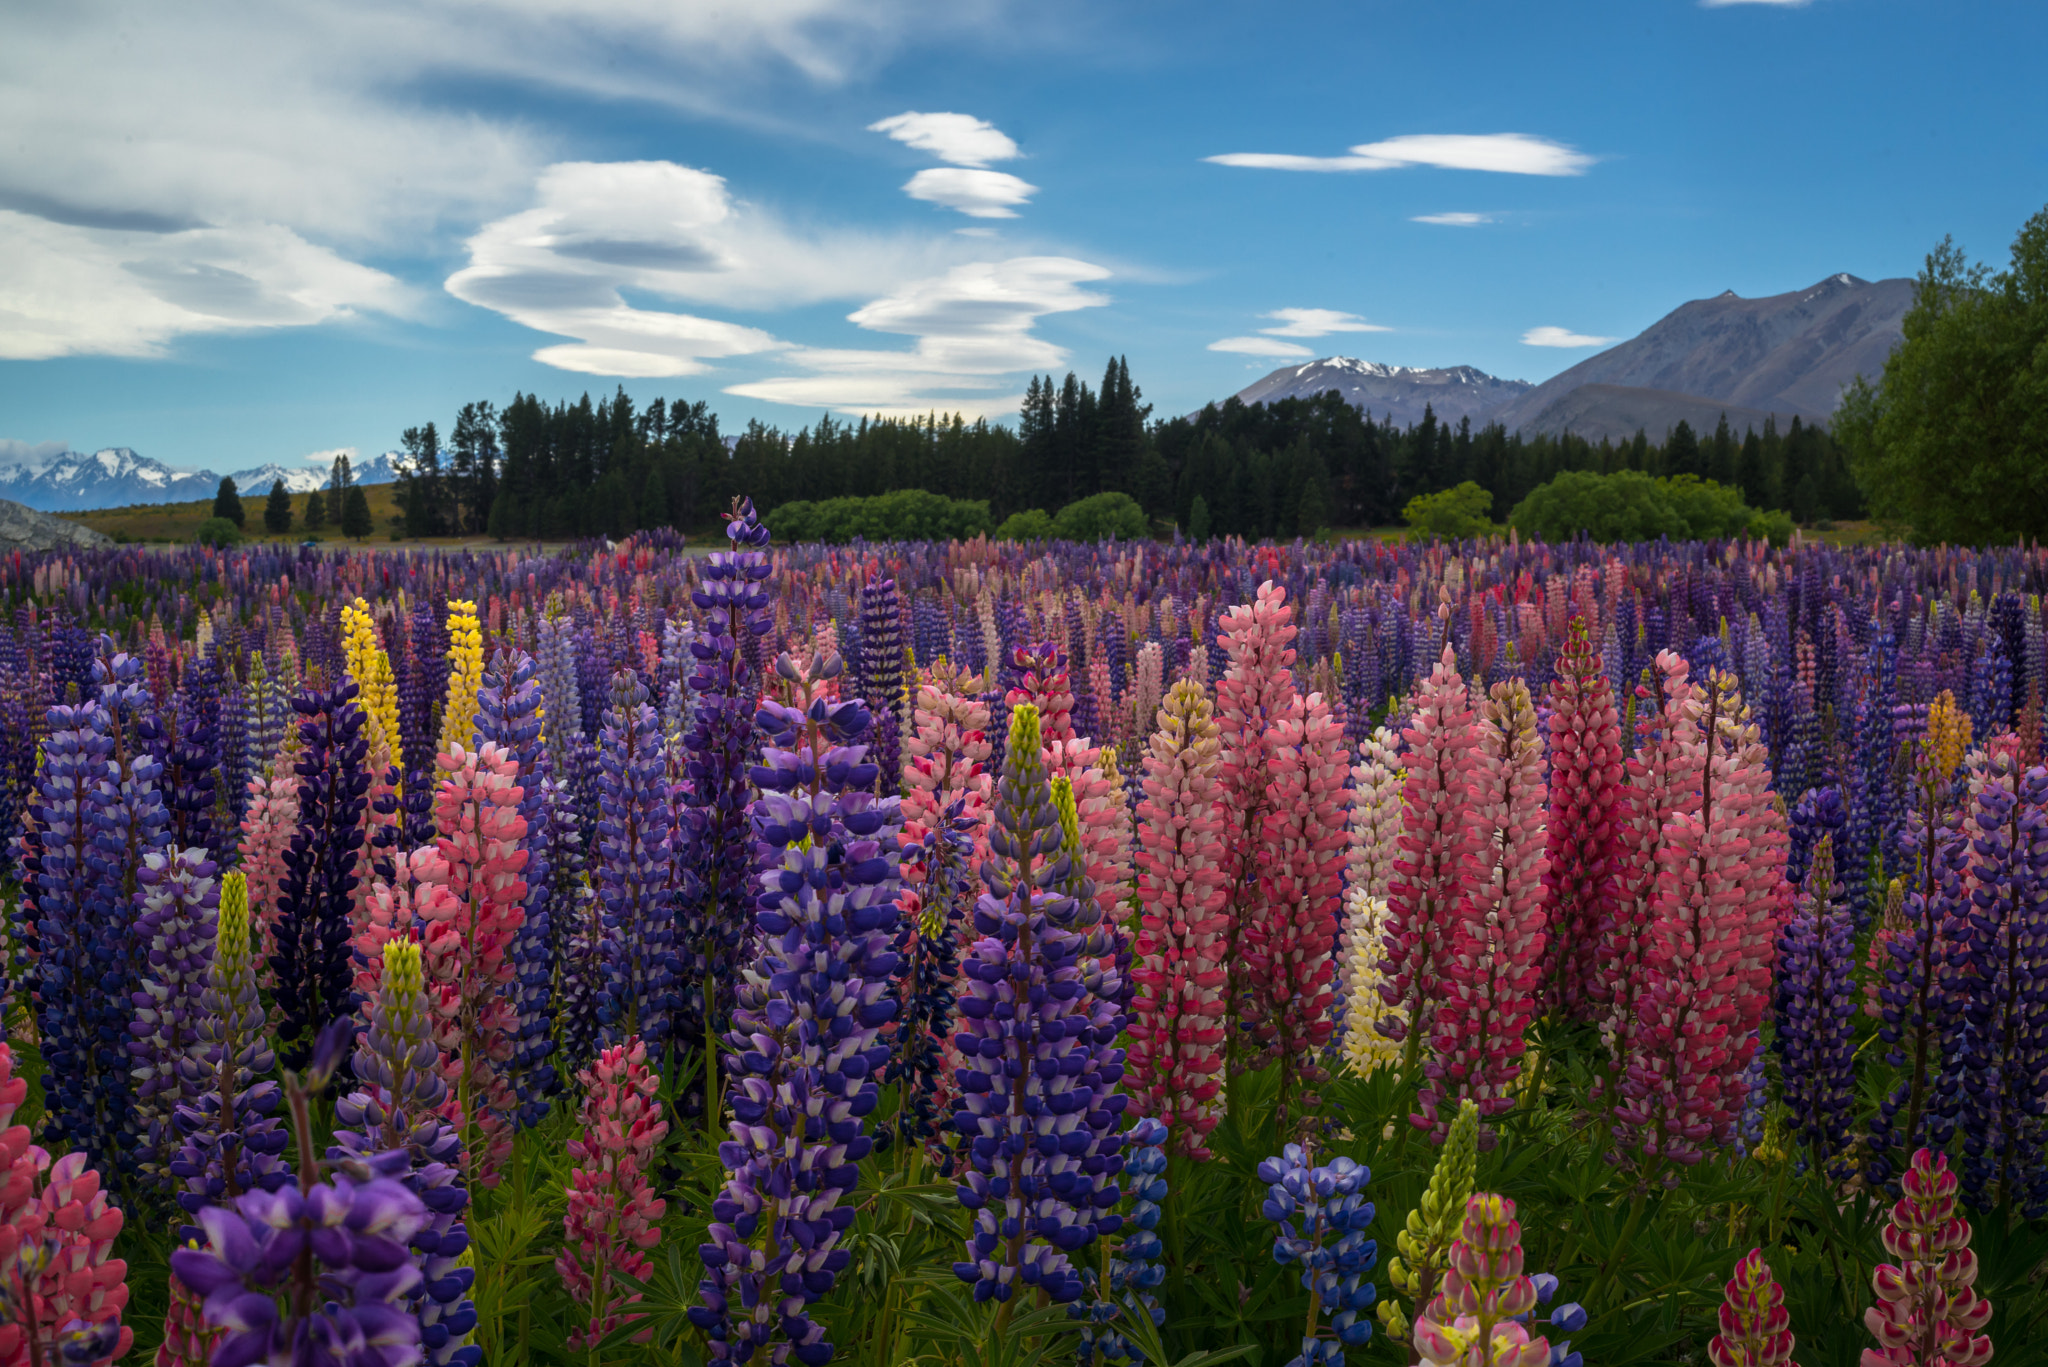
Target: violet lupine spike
[508, 712]
[1998, 933]
[881, 644]
[1816, 1034]
[1023, 996]
[927, 941]
[398, 1110]
[179, 907]
[632, 870]
[716, 911]
[231, 1139]
[316, 895]
[806, 1043]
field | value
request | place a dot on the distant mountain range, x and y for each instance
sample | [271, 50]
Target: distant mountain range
[1783, 356]
[117, 476]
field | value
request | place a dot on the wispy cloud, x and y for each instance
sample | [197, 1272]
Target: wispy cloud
[978, 194]
[14, 451]
[325, 459]
[1317, 323]
[1562, 337]
[960, 139]
[1453, 220]
[1510, 153]
[1259, 346]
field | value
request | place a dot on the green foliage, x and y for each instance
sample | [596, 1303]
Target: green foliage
[1953, 438]
[227, 503]
[316, 510]
[1100, 517]
[905, 515]
[1630, 506]
[1451, 513]
[277, 510]
[1198, 519]
[355, 512]
[1032, 524]
[218, 531]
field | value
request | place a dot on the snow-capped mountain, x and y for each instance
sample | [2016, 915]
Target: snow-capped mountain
[117, 477]
[110, 478]
[1398, 392]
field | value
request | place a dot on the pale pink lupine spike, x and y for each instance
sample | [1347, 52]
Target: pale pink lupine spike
[1480, 1027]
[267, 828]
[613, 1216]
[1422, 890]
[1174, 1070]
[1304, 843]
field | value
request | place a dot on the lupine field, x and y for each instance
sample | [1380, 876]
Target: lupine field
[994, 954]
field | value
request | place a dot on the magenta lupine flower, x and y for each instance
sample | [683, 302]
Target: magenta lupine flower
[613, 1215]
[1586, 811]
[1495, 966]
[1477, 1318]
[1756, 1329]
[1927, 1312]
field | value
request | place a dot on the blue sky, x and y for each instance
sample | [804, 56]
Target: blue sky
[230, 236]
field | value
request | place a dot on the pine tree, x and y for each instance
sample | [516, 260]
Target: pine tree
[227, 503]
[355, 513]
[420, 490]
[277, 510]
[316, 511]
[1682, 451]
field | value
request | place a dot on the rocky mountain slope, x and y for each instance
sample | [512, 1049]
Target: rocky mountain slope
[118, 476]
[1398, 392]
[26, 529]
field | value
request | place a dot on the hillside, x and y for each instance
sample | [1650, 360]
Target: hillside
[1395, 392]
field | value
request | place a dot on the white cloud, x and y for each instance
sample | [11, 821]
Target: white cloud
[973, 325]
[1317, 323]
[1454, 220]
[16, 452]
[305, 136]
[1259, 346]
[69, 290]
[978, 194]
[959, 138]
[1510, 153]
[599, 232]
[1562, 337]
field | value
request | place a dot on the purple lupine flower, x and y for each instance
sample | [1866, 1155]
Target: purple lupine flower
[269, 710]
[1135, 1269]
[312, 965]
[397, 1110]
[232, 795]
[1999, 946]
[231, 1139]
[1867, 849]
[572, 759]
[881, 644]
[578, 924]
[1029, 1031]
[1323, 1218]
[508, 712]
[179, 906]
[1816, 1013]
[716, 911]
[422, 684]
[336, 1252]
[191, 759]
[806, 1042]
[1817, 814]
[927, 943]
[633, 889]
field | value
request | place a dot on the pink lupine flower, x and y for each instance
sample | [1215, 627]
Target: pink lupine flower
[188, 1340]
[1585, 816]
[1927, 1312]
[1756, 1329]
[1304, 843]
[57, 1233]
[1422, 891]
[1375, 813]
[1476, 1318]
[1495, 966]
[1255, 691]
[945, 753]
[614, 1217]
[1043, 681]
[465, 940]
[1177, 1033]
[267, 828]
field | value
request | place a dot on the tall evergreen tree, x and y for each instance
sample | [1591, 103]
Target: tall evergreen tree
[277, 510]
[316, 511]
[419, 490]
[227, 502]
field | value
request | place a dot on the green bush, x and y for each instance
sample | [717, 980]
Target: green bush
[1629, 505]
[1451, 513]
[218, 531]
[1033, 524]
[1100, 517]
[905, 515]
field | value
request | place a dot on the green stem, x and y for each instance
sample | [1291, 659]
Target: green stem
[1612, 1264]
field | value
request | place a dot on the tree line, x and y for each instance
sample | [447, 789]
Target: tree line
[610, 467]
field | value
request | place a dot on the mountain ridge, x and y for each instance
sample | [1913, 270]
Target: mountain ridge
[118, 476]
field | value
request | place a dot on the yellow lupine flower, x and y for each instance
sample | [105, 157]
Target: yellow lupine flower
[370, 667]
[465, 674]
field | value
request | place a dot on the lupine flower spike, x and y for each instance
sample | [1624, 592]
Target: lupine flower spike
[613, 1216]
[1425, 1241]
[1477, 1320]
[1928, 1313]
[1756, 1329]
[1323, 1218]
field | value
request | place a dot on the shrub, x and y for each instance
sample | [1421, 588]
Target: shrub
[1629, 505]
[1033, 524]
[1101, 517]
[905, 515]
[1451, 513]
[218, 531]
